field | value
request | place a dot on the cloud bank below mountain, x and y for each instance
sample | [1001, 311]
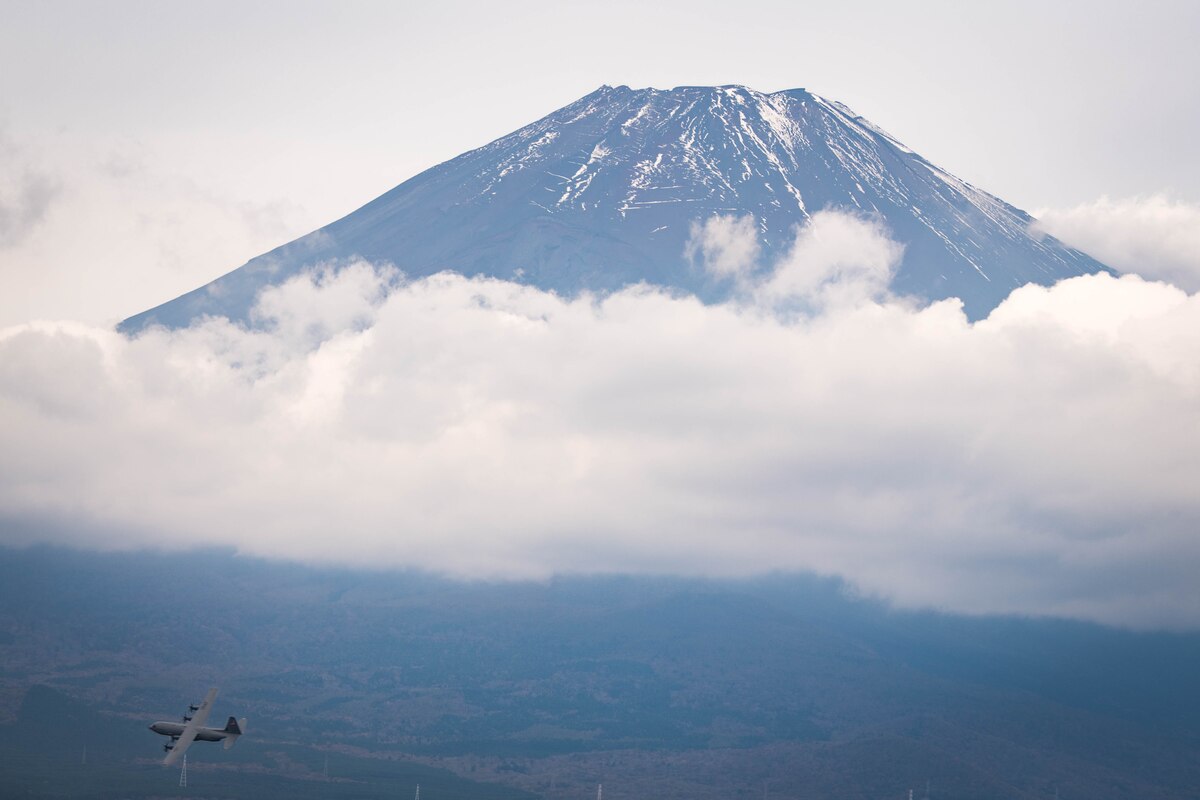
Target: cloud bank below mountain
[1156, 236]
[1042, 460]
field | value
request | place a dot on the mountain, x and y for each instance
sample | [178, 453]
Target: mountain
[656, 687]
[602, 193]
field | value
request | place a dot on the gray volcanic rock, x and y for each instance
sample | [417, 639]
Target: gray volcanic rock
[602, 193]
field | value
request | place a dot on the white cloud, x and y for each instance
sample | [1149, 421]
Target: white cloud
[1156, 237]
[103, 228]
[1043, 460]
[26, 194]
[726, 246]
[838, 258]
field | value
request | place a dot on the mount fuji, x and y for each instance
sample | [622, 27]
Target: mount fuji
[604, 192]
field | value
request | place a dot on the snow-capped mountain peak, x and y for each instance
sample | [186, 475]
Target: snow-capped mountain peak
[602, 193]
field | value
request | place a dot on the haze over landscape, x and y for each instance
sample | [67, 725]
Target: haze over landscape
[688, 439]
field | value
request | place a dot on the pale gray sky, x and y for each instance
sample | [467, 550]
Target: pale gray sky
[146, 148]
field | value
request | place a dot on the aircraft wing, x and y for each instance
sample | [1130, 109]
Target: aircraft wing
[192, 728]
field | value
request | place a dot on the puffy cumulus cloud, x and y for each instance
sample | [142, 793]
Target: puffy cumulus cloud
[1043, 460]
[1156, 237]
[837, 258]
[725, 245]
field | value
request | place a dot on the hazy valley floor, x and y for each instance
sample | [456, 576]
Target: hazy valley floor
[784, 687]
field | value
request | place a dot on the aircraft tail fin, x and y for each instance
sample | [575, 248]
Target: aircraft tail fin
[233, 730]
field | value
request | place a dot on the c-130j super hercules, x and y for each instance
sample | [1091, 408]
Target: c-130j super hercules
[192, 729]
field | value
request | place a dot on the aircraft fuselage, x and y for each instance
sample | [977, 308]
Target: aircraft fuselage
[175, 729]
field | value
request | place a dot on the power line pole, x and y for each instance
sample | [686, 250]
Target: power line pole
[183, 773]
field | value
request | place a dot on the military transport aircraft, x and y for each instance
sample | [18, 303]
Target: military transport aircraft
[192, 728]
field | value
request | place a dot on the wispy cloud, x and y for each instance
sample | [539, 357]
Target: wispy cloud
[26, 192]
[1040, 461]
[105, 228]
